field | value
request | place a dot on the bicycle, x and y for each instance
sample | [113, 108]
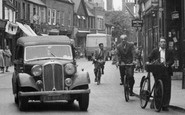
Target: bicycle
[98, 73]
[125, 81]
[157, 89]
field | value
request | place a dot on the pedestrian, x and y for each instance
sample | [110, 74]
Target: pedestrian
[126, 55]
[139, 57]
[113, 55]
[7, 58]
[2, 64]
[164, 56]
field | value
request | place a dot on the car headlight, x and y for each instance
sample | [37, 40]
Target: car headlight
[36, 70]
[70, 69]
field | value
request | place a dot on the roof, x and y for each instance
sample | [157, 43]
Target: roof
[43, 40]
[89, 7]
[77, 4]
[39, 2]
[130, 8]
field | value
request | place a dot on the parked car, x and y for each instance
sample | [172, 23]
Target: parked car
[45, 70]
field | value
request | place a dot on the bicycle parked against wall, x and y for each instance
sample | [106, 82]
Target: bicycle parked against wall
[157, 91]
[126, 81]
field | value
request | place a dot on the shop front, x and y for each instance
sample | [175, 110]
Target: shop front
[149, 11]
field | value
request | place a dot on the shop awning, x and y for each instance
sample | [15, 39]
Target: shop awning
[29, 28]
[27, 31]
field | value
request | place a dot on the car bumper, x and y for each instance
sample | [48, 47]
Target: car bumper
[54, 93]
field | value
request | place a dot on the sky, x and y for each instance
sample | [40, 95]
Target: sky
[117, 4]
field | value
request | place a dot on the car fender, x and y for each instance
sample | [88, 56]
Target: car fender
[25, 80]
[14, 83]
[80, 78]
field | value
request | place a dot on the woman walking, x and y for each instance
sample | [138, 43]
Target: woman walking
[7, 58]
[2, 64]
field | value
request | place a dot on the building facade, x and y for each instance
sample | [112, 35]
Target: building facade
[109, 5]
[59, 17]
[165, 18]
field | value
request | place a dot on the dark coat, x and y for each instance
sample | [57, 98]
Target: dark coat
[98, 56]
[155, 55]
[126, 53]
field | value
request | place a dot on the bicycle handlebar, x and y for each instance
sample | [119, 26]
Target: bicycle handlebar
[131, 64]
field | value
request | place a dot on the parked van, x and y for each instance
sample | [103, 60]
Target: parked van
[92, 43]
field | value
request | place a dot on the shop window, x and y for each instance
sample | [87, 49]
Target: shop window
[49, 16]
[54, 17]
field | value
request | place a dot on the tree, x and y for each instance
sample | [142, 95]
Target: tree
[122, 24]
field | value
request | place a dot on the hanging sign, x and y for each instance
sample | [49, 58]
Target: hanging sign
[137, 23]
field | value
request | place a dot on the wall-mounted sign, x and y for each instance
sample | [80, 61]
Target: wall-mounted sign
[137, 23]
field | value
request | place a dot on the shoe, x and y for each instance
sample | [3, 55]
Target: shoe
[131, 94]
[121, 83]
[95, 80]
[165, 109]
[152, 105]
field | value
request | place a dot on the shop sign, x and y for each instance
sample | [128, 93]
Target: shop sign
[137, 23]
[175, 15]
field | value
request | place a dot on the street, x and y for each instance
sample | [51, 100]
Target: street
[105, 99]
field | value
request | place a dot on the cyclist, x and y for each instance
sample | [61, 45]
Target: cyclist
[126, 55]
[99, 54]
[163, 55]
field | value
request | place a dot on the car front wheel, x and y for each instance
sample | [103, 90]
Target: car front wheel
[84, 102]
[23, 103]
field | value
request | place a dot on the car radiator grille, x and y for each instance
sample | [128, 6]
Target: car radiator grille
[53, 77]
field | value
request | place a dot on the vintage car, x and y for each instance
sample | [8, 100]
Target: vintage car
[45, 70]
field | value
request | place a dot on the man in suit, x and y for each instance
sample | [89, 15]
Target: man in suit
[99, 54]
[165, 56]
[126, 55]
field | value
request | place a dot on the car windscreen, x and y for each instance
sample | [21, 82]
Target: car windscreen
[48, 51]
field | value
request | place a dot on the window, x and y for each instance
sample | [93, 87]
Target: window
[28, 12]
[34, 11]
[49, 16]
[54, 17]
[62, 18]
[6, 13]
[69, 20]
[42, 14]
[23, 10]
[100, 23]
[58, 17]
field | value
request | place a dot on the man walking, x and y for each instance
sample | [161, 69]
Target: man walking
[164, 56]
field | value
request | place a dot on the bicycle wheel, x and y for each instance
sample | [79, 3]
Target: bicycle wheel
[144, 93]
[126, 88]
[158, 95]
[98, 77]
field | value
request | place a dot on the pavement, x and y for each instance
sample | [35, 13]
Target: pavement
[177, 93]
